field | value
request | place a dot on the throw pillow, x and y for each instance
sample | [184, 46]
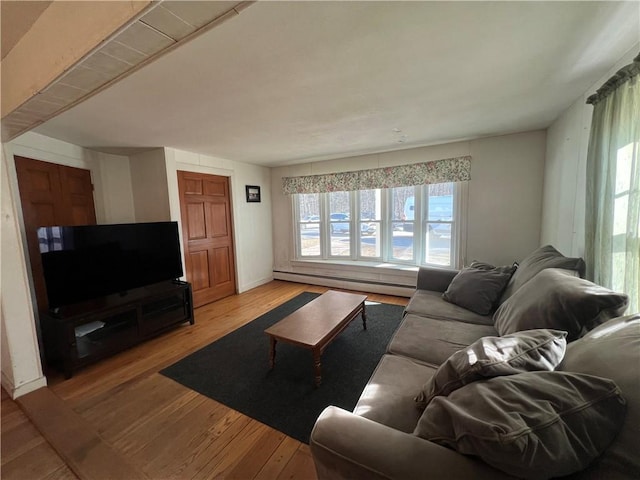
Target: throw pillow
[487, 266]
[530, 425]
[538, 260]
[556, 299]
[495, 356]
[478, 289]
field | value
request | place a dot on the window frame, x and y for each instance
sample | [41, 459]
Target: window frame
[385, 228]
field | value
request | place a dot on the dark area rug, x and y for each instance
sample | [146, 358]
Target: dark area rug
[234, 370]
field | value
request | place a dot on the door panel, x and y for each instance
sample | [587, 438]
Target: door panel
[196, 219]
[51, 195]
[215, 188]
[221, 258]
[205, 204]
[218, 220]
[200, 270]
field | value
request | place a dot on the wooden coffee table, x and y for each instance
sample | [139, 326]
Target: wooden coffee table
[316, 324]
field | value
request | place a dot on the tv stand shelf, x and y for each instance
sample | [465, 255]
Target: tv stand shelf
[81, 334]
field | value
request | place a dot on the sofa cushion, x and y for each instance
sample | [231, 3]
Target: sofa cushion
[510, 269]
[538, 260]
[431, 304]
[494, 356]
[555, 299]
[612, 350]
[388, 396]
[432, 341]
[478, 289]
[531, 425]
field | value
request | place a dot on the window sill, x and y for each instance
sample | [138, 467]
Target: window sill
[396, 268]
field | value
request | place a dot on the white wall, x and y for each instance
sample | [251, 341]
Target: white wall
[149, 184]
[563, 212]
[251, 221]
[21, 368]
[504, 204]
[113, 192]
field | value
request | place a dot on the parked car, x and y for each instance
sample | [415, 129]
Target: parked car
[342, 225]
[313, 219]
[339, 227]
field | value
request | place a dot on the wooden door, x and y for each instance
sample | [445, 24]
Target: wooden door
[207, 230]
[51, 195]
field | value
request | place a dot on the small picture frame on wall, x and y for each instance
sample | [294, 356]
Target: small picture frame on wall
[253, 193]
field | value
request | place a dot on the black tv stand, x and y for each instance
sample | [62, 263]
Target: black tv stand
[78, 335]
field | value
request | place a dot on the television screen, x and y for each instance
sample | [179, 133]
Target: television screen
[91, 261]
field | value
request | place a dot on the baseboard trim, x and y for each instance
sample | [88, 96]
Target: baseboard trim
[23, 389]
[349, 284]
[252, 285]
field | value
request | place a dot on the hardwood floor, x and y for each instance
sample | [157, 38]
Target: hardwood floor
[159, 427]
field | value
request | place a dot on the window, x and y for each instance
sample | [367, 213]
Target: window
[403, 225]
[612, 220]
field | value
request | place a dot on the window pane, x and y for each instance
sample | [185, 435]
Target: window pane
[403, 222]
[309, 227]
[309, 206]
[339, 224]
[438, 244]
[438, 238]
[370, 213]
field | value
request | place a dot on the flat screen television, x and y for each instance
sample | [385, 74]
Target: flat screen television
[91, 261]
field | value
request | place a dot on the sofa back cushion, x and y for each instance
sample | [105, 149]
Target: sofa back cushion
[530, 425]
[612, 350]
[538, 260]
[555, 299]
[488, 357]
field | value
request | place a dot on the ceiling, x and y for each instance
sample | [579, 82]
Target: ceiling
[16, 19]
[290, 82]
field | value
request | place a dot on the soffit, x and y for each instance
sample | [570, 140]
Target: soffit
[167, 25]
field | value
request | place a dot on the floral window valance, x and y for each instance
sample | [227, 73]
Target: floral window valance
[456, 169]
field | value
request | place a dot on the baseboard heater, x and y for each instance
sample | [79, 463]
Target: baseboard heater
[347, 283]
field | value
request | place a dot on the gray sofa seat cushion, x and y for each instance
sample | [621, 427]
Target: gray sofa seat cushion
[388, 396]
[488, 357]
[535, 262]
[432, 340]
[431, 304]
[532, 425]
[612, 350]
[556, 299]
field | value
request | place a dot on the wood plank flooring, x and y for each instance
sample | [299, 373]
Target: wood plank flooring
[161, 428]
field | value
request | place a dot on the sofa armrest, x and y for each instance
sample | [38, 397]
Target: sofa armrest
[348, 446]
[435, 279]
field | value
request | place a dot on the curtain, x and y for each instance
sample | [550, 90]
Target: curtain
[440, 171]
[612, 227]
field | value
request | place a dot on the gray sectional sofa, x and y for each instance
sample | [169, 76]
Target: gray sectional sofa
[546, 384]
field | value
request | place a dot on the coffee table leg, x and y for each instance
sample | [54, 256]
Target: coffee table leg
[317, 367]
[364, 317]
[272, 352]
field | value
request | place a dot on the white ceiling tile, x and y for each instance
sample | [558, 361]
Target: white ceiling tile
[144, 39]
[40, 106]
[106, 64]
[198, 13]
[64, 92]
[168, 23]
[123, 52]
[84, 78]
